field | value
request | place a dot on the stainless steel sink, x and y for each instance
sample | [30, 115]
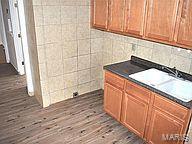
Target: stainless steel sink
[181, 89]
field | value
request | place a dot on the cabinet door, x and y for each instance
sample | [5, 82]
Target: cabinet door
[135, 17]
[185, 27]
[161, 127]
[161, 19]
[134, 114]
[100, 13]
[116, 15]
[112, 101]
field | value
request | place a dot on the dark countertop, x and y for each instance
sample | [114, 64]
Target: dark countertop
[126, 68]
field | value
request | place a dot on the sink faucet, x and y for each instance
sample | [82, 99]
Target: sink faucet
[173, 71]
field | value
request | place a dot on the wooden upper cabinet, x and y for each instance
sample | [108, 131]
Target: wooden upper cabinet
[100, 13]
[116, 15]
[161, 19]
[162, 125]
[135, 11]
[185, 24]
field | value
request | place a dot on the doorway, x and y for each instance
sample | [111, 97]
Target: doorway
[14, 38]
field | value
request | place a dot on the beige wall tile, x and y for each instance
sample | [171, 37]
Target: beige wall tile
[70, 80]
[52, 33]
[69, 49]
[68, 2]
[96, 73]
[83, 31]
[69, 32]
[96, 59]
[83, 62]
[70, 65]
[84, 88]
[50, 2]
[83, 2]
[43, 71]
[83, 14]
[84, 76]
[53, 51]
[68, 93]
[97, 33]
[38, 15]
[68, 14]
[57, 96]
[145, 43]
[37, 2]
[191, 68]
[96, 85]
[84, 47]
[96, 45]
[54, 68]
[41, 54]
[180, 63]
[144, 52]
[52, 15]
[39, 35]
[56, 83]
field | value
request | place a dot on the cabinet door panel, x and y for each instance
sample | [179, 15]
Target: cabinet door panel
[100, 13]
[161, 19]
[185, 27]
[135, 16]
[112, 101]
[116, 15]
[134, 114]
[161, 126]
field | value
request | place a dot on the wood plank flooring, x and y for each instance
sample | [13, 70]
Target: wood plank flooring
[75, 121]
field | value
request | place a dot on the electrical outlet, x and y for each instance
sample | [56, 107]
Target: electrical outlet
[75, 94]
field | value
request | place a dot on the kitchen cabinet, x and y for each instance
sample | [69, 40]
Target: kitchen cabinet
[149, 115]
[161, 19]
[113, 95]
[167, 118]
[135, 12]
[161, 125]
[134, 114]
[116, 15]
[100, 13]
[184, 36]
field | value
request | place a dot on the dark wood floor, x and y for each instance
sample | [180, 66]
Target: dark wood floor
[76, 121]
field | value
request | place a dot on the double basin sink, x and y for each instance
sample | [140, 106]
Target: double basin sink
[178, 88]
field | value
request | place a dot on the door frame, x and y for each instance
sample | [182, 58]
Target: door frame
[3, 35]
[25, 46]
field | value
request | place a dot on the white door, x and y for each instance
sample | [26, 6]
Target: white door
[13, 4]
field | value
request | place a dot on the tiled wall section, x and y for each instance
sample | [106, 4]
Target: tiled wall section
[119, 48]
[70, 53]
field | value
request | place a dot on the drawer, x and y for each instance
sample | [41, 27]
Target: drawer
[138, 91]
[170, 107]
[114, 80]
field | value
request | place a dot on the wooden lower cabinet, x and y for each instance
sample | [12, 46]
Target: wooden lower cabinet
[163, 128]
[134, 114]
[112, 101]
[149, 115]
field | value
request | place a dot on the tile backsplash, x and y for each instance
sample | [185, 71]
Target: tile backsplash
[72, 54]
[119, 48]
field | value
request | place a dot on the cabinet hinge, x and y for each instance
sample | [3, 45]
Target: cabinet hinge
[16, 4]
